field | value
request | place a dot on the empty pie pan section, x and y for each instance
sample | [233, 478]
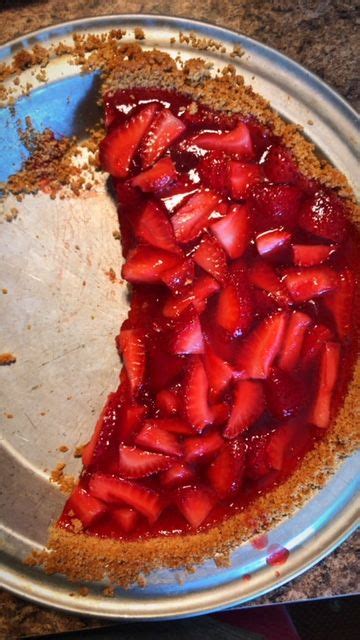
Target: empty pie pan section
[62, 331]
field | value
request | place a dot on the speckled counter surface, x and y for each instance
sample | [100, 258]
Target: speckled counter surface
[323, 36]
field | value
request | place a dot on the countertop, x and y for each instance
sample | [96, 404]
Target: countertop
[323, 36]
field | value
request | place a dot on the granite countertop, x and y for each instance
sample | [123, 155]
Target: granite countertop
[321, 35]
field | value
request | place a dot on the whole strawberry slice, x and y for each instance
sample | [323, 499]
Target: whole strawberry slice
[305, 284]
[280, 166]
[131, 418]
[314, 341]
[187, 335]
[195, 504]
[271, 242]
[227, 470]
[249, 404]
[280, 443]
[106, 426]
[116, 490]
[132, 348]
[235, 309]
[307, 255]
[329, 366]
[119, 146]
[157, 177]
[136, 463]
[154, 227]
[200, 448]
[214, 171]
[259, 349]
[86, 507]
[168, 402]
[154, 437]
[204, 287]
[276, 205]
[192, 216]
[179, 474]
[175, 425]
[340, 302]
[163, 132]
[211, 257]
[238, 141]
[233, 231]
[263, 276]
[324, 215]
[285, 395]
[126, 517]
[180, 277]
[243, 176]
[218, 371]
[197, 409]
[147, 264]
[293, 340]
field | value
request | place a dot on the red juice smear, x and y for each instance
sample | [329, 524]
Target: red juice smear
[278, 555]
[260, 542]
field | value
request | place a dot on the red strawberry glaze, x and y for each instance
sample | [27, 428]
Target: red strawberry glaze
[178, 336]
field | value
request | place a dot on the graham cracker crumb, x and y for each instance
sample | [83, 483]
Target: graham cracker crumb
[66, 483]
[109, 592]
[78, 451]
[7, 358]
[4, 291]
[139, 33]
[63, 448]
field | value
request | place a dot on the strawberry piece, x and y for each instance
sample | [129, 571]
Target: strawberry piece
[227, 470]
[330, 360]
[154, 227]
[313, 343]
[168, 402]
[132, 348]
[200, 448]
[119, 146]
[154, 437]
[276, 205]
[340, 303]
[197, 409]
[242, 177]
[280, 166]
[324, 215]
[147, 264]
[175, 425]
[187, 334]
[293, 340]
[262, 275]
[306, 255]
[305, 284]
[279, 445]
[220, 412]
[164, 130]
[211, 257]
[204, 287]
[192, 217]
[176, 305]
[195, 504]
[87, 508]
[131, 417]
[179, 277]
[257, 459]
[235, 309]
[233, 230]
[115, 490]
[106, 425]
[164, 368]
[249, 404]
[214, 171]
[285, 394]
[127, 518]
[136, 463]
[271, 242]
[260, 348]
[218, 371]
[178, 474]
[157, 177]
[238, 141]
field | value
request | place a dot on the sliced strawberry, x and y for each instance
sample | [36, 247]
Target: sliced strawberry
[214, 171]
[204, 287]
[200, 448]
[293, 340]
[263, 276]
[306, 255]
[147, 264]
[197, 409]
[136, 463]
[330, 360]
[131, 417]
[305, 284]
[157, 177]
[168, 402]
[324, 215]
[165, 367]
[211, 257]
[313, 343]
[227, 470]
[276, 205]
[235, 309]
[257, 459]
[233, 230]
[195, 504]
[176, 305]
[220, 413]
[279, 445]
[218, 371]
[249, 404]
[285, 394]
[260, 348]
[152, 436]
[179, 277]
[126, 517]
[280, 166]
[132, 348]
[175, 425]
[115, 490]
[106, 426]
[179, 474]
[165, 129]
[187, 334]
[191, 218]
[154, 227]
[118, 147]
[86, 507]
[340, 302]
[271, 242]
[243, 176]
[238, 141]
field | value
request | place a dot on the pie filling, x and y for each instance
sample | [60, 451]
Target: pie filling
[239, 342]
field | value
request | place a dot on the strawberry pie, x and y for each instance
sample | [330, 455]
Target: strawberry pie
[238, 351]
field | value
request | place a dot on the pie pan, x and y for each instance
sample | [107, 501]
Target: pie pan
[62, 331]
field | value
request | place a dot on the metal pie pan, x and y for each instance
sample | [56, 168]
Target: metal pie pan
[62, 332]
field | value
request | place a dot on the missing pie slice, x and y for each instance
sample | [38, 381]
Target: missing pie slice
[236, 394]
